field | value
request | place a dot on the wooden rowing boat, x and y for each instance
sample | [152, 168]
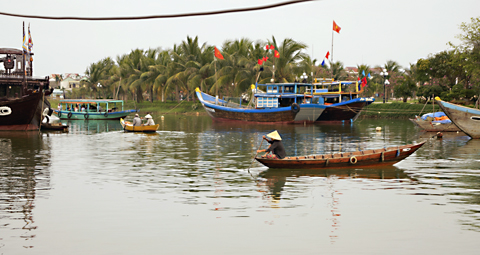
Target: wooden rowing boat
[127, 126]
[382, 156]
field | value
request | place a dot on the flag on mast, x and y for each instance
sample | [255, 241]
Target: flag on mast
[24, 46]
[218, 54]
[336, 28]
[328, 54]
[30, 41]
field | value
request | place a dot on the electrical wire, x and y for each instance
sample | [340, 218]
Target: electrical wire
[166, 16]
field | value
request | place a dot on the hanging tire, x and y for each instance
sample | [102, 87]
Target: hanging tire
[295, 108]
[106, 114]
[69, 115]
[86, 116]
[59, 114]
[353, 160]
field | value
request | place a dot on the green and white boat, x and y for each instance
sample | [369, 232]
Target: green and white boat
[94, 109]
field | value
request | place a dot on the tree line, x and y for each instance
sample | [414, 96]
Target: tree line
[173, 74]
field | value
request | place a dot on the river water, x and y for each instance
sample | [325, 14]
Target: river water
[187, 190]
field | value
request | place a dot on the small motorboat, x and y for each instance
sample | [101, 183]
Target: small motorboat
[375, 157]
[127, 126]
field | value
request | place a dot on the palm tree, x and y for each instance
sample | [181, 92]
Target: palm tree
[337, 70]
[290, 53]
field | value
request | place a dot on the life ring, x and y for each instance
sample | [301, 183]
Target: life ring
[105, 114]
[353, 160]
[69, 115]
[5, 110]
[295, 108]
[59, 114]
[86, 116]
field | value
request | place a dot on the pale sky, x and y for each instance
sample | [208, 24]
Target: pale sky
[372, 31]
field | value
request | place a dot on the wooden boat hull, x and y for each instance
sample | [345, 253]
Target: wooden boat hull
[22, 113]
[465, 118]
[434, 127]
[55, 126]
[68, 115]
[224, 113]
[383, 156]
[344, 112]
[127, 126]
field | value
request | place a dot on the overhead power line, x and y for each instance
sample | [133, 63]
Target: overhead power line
[166, 16]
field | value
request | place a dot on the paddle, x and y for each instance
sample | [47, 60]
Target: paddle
[255, 155]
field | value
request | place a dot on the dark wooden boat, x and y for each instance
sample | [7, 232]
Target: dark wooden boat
[375, 157]
[22, 101]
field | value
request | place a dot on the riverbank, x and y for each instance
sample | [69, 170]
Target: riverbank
[391, 110]
[396, 110]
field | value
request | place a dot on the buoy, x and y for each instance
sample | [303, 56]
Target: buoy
[378, 129]
[162, 117]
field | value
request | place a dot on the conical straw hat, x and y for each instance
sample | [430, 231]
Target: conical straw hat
[274, 135]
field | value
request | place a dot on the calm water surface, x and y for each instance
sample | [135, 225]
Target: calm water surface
[186, 190]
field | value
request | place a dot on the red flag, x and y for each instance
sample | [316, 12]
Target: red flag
[328, 54]
[271, 47]
[364, 81]
[276, 54]
[336, 28]
[218, 54]
[267, 47]
[260, 61]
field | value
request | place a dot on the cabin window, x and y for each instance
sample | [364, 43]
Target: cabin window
[288, 89]
[272, 89]
[267, 102]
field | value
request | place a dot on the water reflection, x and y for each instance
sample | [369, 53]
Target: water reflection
[90, 127]
[24, 161]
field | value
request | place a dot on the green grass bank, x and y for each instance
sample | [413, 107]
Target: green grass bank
[391, 110]
[396, 110]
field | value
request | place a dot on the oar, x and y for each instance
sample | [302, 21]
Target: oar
[255, 155]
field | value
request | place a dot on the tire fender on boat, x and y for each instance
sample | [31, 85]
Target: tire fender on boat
[353, 160]
[295, 108]
[106, 114]
[59, 114]
[69, 115]
[86, 116]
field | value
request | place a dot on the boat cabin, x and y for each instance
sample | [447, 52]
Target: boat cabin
[282, 94]
[328, 91]
[90, 105]
[16, 77]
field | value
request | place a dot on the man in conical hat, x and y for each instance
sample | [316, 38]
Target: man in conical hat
[276, 146]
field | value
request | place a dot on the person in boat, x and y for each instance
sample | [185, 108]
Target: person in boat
[276, 148]
[149, 119]
[137, 121]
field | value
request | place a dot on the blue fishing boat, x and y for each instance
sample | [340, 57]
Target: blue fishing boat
[465, 118]
[270, 103]
[97, 109]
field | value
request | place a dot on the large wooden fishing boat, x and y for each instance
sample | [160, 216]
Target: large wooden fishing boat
[465, 118]
[95, 109]
[435, 122]
[22, 96]
[375, 157]
[128, 126]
